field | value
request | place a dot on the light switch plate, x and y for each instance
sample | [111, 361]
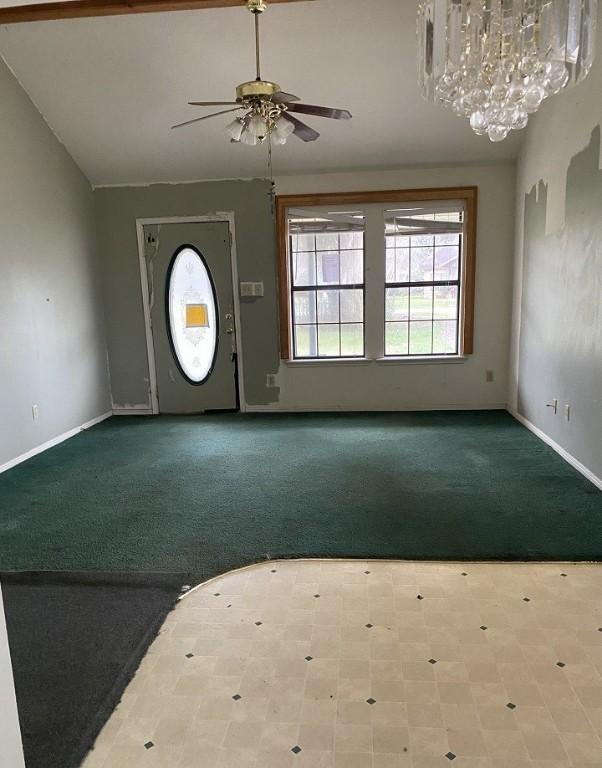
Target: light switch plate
[251, 289]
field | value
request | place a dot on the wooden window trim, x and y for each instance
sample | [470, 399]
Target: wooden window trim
[468, 195]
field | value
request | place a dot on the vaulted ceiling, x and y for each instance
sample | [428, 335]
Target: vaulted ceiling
[111, 88]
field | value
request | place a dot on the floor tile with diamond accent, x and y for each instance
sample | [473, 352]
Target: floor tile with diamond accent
[336, 664]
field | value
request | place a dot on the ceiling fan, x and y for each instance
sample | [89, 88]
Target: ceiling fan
[264, 109]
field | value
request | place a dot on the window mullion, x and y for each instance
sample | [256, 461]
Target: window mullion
[374, 255]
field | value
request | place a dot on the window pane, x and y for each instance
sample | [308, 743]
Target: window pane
[352, 340]
[421, 338]
[445, 337]
[352, 305]
[328, 306]
[328, 341]
[306, 341]
[418, 241]
[327, 260]
[327, 241]
[396, 303]
[191, 315]
[328, 267]
[423, 315]
[303, 266]
[446, 263]
[402, 265]
[390, 265]
[449, 238]
[352, 267]
[421, 261]
[421, 303]
[351, 240]
[305, 243]
[446, 302]
[305, 306]
[396, 338]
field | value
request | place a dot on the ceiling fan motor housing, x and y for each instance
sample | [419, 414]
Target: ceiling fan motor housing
[257, 89]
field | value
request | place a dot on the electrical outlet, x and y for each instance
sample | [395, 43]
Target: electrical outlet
[34, 412]
[567, 412]
[270, 380]
[489, 376]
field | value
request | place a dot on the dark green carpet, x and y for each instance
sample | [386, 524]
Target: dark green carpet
[201, 495]
[76, 640]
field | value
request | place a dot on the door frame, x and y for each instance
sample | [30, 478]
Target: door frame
[220, 216]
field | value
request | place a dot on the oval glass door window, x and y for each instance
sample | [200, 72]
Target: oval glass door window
[191, 314]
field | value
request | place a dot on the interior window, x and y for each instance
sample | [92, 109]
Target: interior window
[418, 251]
[423, 251]
[327, 283]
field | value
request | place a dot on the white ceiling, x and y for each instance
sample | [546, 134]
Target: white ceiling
[111, 87]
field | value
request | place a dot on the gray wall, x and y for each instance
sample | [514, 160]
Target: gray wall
[52, 345]
[556, 342]
[560, 348]
[425, 384]
[117, 211]
[323, 385]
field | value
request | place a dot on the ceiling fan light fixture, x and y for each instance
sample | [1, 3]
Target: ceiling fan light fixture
[258, 127]
[246, 137]
[235, 129]
[284, 128]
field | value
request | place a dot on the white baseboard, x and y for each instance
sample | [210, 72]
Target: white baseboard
[597, 481]
[136, 411]
[54, 441]
[277, 408]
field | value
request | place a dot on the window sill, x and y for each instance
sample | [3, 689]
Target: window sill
[327, 361]
[418, 360]
[339, 362]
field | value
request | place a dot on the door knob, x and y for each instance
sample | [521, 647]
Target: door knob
[229, 330]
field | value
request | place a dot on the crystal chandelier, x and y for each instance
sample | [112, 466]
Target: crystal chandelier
[495, 61]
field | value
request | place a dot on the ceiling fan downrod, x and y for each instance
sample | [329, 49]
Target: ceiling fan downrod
[257, 7]
[258, 88]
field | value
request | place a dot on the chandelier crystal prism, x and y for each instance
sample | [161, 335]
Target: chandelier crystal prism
[495, 61]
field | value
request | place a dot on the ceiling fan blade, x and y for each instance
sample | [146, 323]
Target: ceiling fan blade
[312, 109]
[205, 117]
[303, 131]
[281, 97]
[211, 103]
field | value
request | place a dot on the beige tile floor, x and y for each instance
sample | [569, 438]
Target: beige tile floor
[355, 664]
